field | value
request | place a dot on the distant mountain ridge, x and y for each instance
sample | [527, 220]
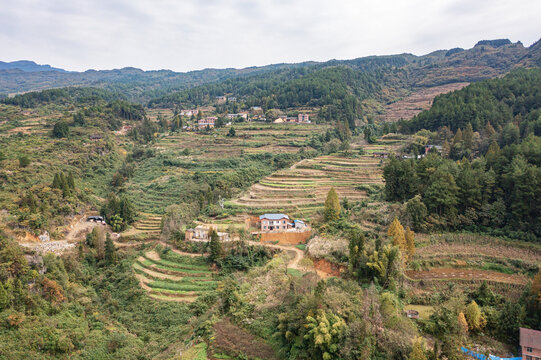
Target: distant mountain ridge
[488, 58]
[27, 66]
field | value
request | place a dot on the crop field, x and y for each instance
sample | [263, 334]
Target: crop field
[171, 276]
[160, 181]
[249, 138]
[468, 259]
[302, 189]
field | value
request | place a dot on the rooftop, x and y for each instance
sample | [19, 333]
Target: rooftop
[530, 338]
[273, 216]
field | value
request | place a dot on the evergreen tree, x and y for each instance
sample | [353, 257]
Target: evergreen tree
[332, 206]
[56, 182]
[410, 243]
[416, 212]
[61, 129]
[4, 297]
[467, 137]
[441, 195]
[110, 253]
[215, 246]
[71, 181]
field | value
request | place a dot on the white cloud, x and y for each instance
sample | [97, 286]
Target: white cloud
[194, 34]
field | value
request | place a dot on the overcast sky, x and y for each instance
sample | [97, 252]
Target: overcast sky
[187, 35]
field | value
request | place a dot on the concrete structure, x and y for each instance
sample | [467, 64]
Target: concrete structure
[299, 224]
[234, 116]
[188, 112]
[207, 122]
[201, 233]
[274, 222]
[530, 344]
[380, 154]
[412, 314]
[303, 118]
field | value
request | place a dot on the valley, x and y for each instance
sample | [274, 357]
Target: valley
[375, 208]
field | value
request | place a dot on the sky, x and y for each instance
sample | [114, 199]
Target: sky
[184, 35]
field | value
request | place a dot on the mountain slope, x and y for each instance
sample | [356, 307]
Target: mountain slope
[27, 66]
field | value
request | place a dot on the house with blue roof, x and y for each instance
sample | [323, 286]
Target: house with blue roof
[274, 222]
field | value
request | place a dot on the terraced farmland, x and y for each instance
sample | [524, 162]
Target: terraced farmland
[171, 276]
[302, 189]
[250, 138]
[160, 181]
[147, 227]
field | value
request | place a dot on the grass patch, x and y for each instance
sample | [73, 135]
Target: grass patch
[294, 272]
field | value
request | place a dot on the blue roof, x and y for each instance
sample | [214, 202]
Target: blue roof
[273, 216]
[300, 221]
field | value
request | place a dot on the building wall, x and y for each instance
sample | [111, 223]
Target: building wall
[282, 224]
[534, 353]
[286, 238]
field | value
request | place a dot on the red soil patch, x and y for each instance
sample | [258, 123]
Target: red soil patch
[234, 341]
[328, 268]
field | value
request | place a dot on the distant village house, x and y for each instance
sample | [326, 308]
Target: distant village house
[380, 154]
[192, 112]
[209, 121]
[201, 233]
[303, 118]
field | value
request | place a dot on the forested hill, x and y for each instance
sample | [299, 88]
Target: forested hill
[384, 78]
[488, 175]
[487, 59]
[513, 98]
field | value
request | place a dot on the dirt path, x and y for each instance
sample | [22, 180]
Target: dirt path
[79, 228]
[294, 262]
[153, 255]
[466, 274]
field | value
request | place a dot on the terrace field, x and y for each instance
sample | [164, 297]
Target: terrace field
[174, 276]
[166, 178]
[301, 189]
[466, 260]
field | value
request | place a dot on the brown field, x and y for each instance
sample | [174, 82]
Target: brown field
[466, 274]
[419, 100]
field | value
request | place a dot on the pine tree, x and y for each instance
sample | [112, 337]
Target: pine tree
[4, 298]
[56, 182]
[71, 181]
[215, 246]
[467, 137]
[397, 235]
[110, 253]
[458, 137]
[332, 206]
[64, 185]
[410, 243]
[536, 287]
